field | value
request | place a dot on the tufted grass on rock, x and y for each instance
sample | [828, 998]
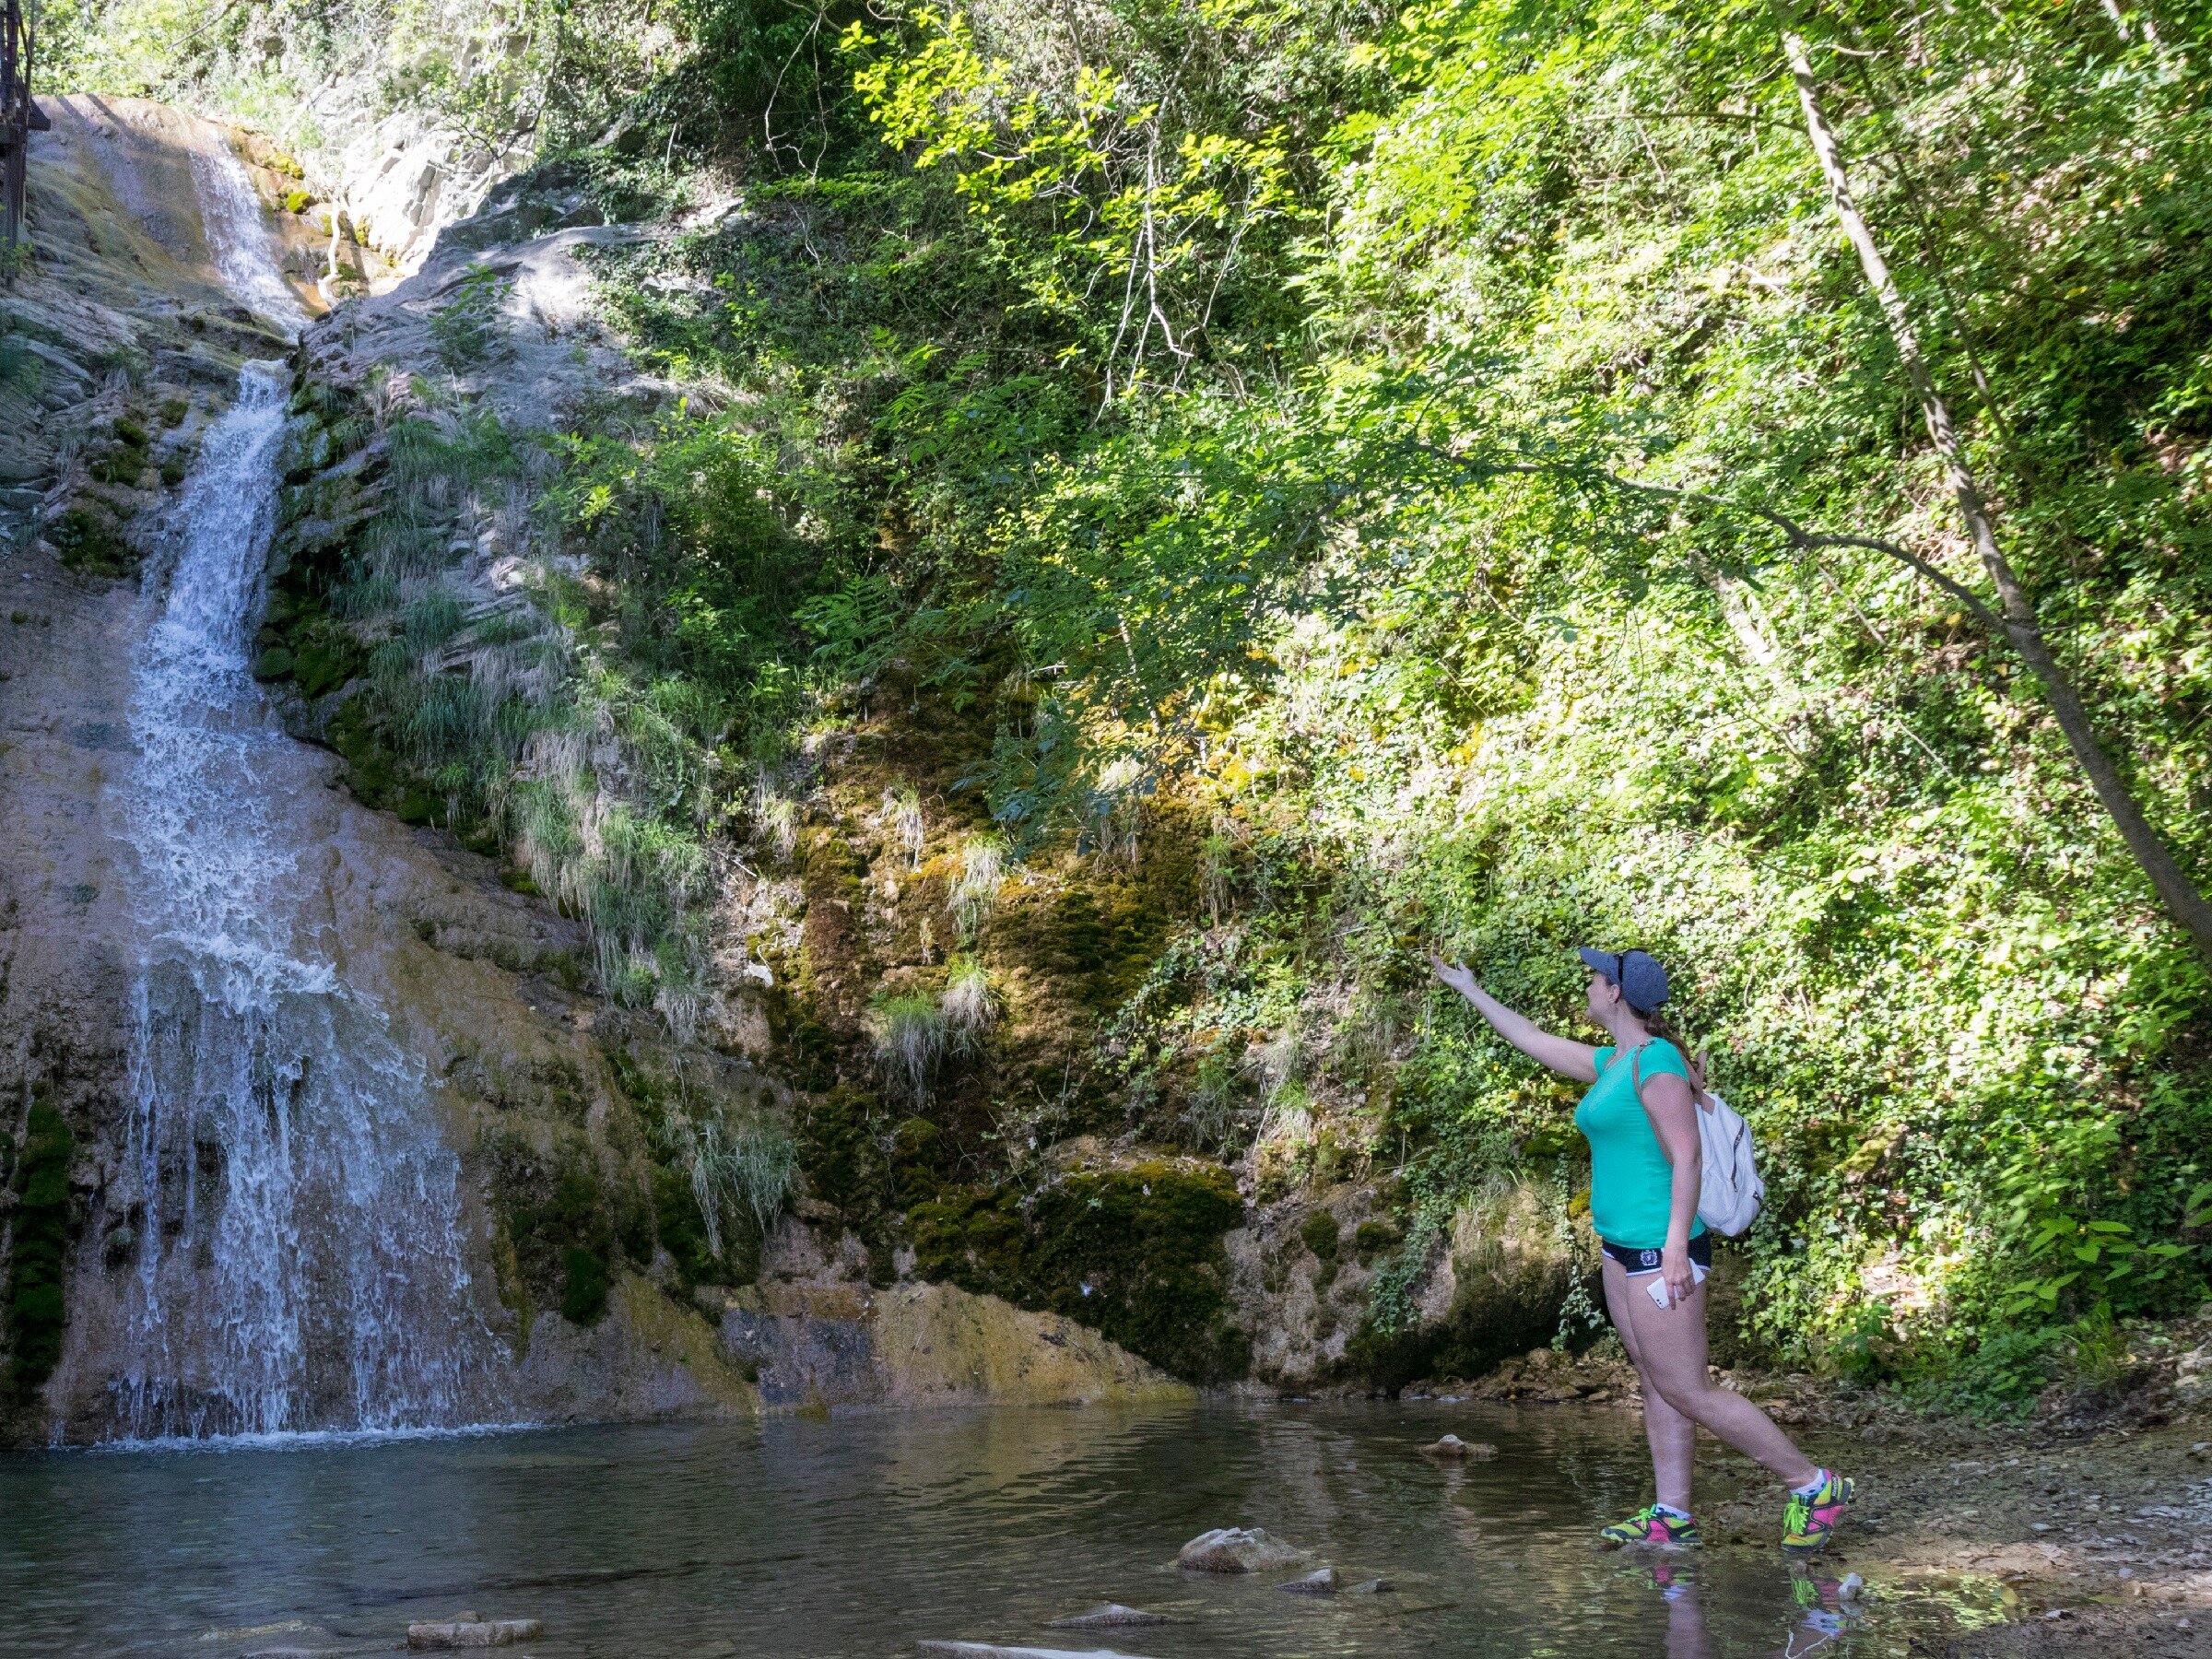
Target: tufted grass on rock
[909, 1035]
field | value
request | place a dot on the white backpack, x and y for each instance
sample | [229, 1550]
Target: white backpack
[1730, 1192]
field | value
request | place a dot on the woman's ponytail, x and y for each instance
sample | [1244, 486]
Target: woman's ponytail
[1656, 1026]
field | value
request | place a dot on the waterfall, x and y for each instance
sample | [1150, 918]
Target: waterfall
[301, 1264]
[237, 236]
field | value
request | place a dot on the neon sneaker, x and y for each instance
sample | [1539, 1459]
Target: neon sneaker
[1651, 1526]
[1808, 1522]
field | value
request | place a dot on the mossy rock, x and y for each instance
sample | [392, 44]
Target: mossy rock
[583, 1288]
[1136, 1253]
[680, 1229]
[35, 1307]
[119, 467]
[559, 1223]
[840, 1152]
[371, 770]
[308, 447]
[1320, 1235]
[1373, 1237]
[89, 540]
[274, 663]
[322, 662]
[916, 1146]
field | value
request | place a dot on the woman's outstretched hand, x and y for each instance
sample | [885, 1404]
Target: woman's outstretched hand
[1456, 975]
[1570, 1059]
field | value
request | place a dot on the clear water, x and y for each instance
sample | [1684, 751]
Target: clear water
[298, 1262]
[864, 1535]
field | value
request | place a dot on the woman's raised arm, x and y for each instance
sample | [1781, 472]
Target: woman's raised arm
[1563, 1054]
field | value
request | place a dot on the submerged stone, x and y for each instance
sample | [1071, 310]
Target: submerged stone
[1105, 1614]
[1320, 1581]
[992, 1650]
[476, 1634]
[1238, 1549]
[1452, 1448]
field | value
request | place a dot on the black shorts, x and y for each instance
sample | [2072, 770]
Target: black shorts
[1647, 1261]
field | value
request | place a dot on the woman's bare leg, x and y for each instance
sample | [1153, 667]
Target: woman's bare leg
[1670, 1351]
[1673, 1437]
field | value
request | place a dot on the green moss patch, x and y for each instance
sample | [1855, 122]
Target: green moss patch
[38, 1248]
[559, 1225]
[88, 538]
[1134, 1253]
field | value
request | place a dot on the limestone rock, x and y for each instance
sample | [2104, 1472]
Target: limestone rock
[1452, 1448]
[1106, 1614]
[1320, 1581]
[1238, 1549]
[2192, 1376]
[813, 1338]
[476, 1634]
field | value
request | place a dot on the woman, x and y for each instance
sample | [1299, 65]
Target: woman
[1640, 1119]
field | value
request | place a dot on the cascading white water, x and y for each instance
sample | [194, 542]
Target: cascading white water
[300, 1263]
[237, 236]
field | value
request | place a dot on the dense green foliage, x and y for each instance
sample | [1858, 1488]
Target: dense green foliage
[1335, 439]
[1228, 401]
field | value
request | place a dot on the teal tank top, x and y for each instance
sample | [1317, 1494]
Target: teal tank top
[1632, 1184]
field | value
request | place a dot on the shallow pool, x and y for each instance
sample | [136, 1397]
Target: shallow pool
[863, 1535]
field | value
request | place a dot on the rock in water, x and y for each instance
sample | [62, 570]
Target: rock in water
[1374, 1586]
[473, 1633]
[1105, 1614]
[1322, 1582]
[991, 1650]
[1452, 1448]
[1238, 1549]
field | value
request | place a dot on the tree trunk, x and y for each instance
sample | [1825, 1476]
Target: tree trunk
[2187, 905]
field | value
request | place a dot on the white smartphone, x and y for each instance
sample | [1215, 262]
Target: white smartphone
[1658, 1284]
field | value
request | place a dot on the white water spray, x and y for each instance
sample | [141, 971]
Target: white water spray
[238, 237]
[300, 1264]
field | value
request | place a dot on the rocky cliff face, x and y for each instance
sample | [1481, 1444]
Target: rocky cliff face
[583, 1133]
[125, 345]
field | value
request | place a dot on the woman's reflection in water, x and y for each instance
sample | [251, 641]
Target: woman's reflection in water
[1824, 1613]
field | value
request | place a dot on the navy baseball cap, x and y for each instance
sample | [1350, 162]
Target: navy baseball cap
[1637, 973]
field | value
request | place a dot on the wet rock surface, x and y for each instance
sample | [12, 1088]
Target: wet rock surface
[833, 1342]
[1238, 1549]
[472, 1633]
[1452, 1448]
[1106, 1616]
